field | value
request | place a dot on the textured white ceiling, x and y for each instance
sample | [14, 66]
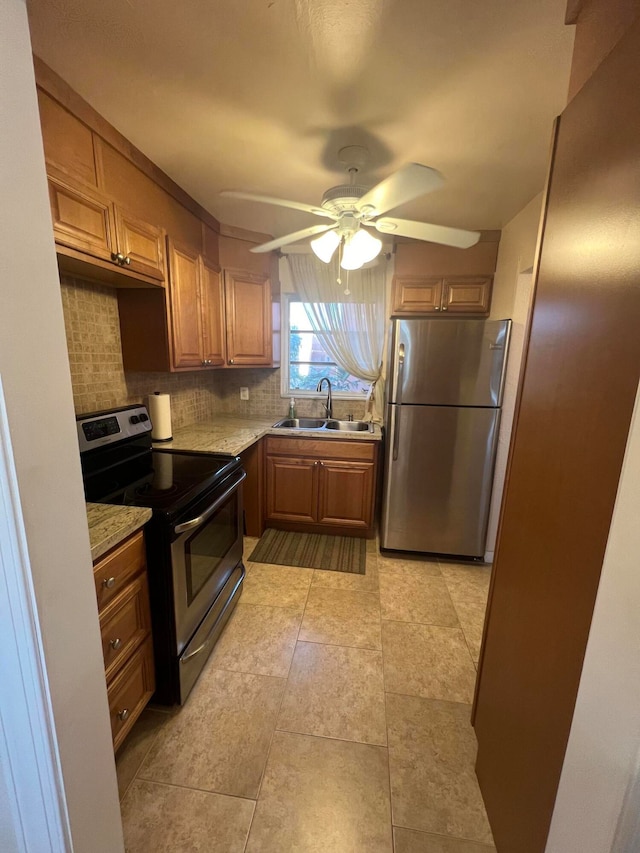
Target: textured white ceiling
[259, 95]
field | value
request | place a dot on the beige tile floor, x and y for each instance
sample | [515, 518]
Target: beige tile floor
[332, 717]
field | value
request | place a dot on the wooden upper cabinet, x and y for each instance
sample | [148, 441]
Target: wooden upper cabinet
[467, 295]
[186, 314]
[68, 143]
[419, 295]
[141, 243]
[82, 220]
[248, 316]
[416, 294]
[212, 301]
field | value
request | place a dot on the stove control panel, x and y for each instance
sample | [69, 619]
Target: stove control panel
[100, 428]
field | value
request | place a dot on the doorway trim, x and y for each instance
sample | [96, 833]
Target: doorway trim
[36, 811]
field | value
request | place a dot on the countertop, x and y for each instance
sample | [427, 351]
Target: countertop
[109, 525]
[227, 434]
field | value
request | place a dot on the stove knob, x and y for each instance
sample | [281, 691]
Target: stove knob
[144, 418]
[134, 419]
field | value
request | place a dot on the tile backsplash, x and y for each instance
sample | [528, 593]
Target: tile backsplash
[95, 358]
[99, 380]
[265, 400]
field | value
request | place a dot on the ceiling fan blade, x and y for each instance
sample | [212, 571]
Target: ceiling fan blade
[424, 231]
[407, 183]
[281, 202]
[292, 238]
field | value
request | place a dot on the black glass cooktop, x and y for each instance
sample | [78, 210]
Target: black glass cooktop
[165, 481]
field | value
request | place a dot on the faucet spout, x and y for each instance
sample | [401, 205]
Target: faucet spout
[328, 406]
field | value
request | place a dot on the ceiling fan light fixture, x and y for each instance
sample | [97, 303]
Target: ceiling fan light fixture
[324, 247]
[359, 250]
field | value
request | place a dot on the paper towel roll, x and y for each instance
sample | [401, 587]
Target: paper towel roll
[160, 413]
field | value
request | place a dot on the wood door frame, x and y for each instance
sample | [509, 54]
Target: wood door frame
[29, 758]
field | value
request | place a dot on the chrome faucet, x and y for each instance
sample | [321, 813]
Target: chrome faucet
[329, 404]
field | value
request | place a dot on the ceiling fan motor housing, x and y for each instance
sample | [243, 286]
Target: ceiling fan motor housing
[343, 198]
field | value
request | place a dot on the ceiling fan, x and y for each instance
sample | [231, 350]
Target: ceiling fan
[353, 208]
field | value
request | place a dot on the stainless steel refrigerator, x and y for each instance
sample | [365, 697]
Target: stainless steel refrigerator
[444, 396]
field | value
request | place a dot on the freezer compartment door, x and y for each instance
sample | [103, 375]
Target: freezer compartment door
[444, 362]
[438, 478]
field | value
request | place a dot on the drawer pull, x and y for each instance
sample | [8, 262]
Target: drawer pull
[122, 715]
[115, 644]
[109, 583]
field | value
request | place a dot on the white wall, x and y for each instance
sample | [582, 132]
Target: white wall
[513, 284]
[600, 772]
[35, 373]
[516, 254]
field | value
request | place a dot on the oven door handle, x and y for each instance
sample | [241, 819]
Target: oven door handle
[196, 522]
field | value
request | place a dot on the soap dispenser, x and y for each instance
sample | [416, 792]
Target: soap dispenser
[292, 407]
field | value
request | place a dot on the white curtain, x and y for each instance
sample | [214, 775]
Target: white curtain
[351, 324]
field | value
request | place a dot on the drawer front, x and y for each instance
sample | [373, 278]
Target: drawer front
[130, 691]
[113, 572]
[319, 448]
[124, 624]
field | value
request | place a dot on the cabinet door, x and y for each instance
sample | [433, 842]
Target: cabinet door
[142, 243]
[186, 316]
[345, 493]
[467, 295]
[81, 220]
[68, 143]
[416, 294]
[212, 296]
[291, 489]
[248, 307]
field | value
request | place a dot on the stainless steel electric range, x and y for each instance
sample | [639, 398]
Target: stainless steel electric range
[193, 541]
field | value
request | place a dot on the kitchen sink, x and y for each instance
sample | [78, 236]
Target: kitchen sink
[322, 423]
[350, 426]
[301, 423]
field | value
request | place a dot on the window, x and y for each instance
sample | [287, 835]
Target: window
[305, 361]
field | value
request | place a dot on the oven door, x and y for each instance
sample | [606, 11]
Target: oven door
[205, 551]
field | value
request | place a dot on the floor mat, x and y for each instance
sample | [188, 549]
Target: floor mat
[312, 551]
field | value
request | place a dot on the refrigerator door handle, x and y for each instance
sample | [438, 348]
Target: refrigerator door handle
[396, 432]
[400, 374]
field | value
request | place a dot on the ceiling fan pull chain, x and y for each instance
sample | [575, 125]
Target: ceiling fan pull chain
[347, 292]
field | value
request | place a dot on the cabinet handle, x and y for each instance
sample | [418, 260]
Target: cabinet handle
[122, 715]
[126, 261]
[109, 583]
[115, 644]
[444, 307]
[231, 361]
[437, 307]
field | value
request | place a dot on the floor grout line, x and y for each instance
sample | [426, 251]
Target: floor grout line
[199, 790]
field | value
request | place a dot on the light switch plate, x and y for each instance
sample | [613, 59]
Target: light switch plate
[244, 393]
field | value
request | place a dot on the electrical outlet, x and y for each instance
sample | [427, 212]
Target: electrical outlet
[244, 393]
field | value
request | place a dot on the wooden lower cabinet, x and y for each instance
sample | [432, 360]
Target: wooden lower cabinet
[345, 493]
[321, 485]
[130, 691]
[292, 487]
[125, 625]
[253, 489]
